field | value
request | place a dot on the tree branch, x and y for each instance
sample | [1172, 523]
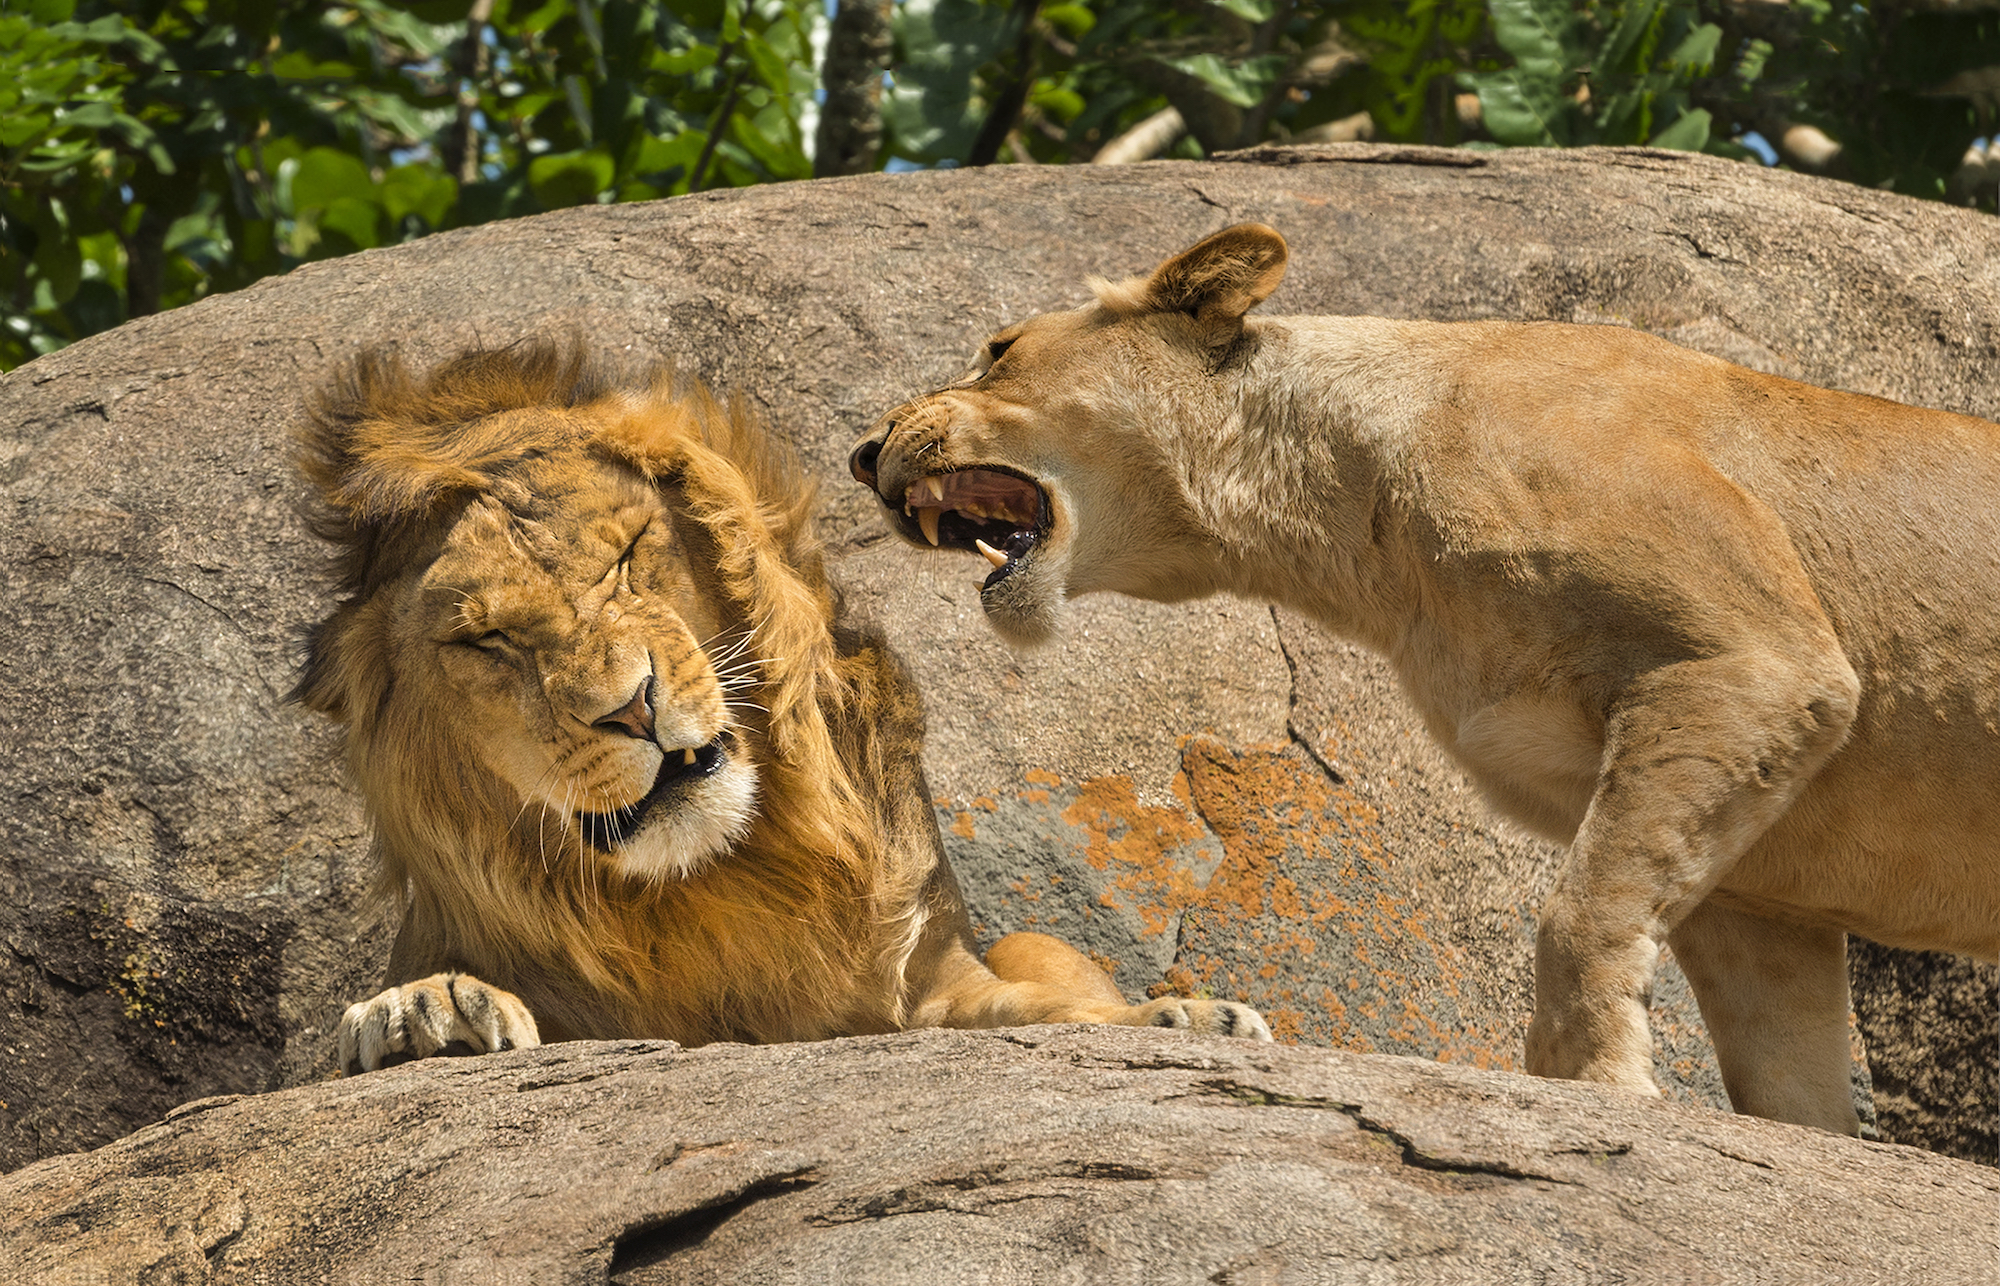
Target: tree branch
[460, 156]
[1014, 95]
[700, 174]
[1143, 141]
[858, 50]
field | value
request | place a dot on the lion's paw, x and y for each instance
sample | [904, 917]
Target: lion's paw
[431, 1016]
[1208, 1017]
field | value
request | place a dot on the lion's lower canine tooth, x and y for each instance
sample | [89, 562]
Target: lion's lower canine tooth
[928, 520]
[993, 555]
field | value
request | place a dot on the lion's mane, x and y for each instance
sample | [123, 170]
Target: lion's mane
[803, 927]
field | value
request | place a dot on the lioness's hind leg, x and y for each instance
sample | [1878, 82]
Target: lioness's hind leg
[1774, 996]
[426, 1017]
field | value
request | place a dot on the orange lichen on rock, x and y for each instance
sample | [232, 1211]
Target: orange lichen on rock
[1136, 846]
[1305, 901]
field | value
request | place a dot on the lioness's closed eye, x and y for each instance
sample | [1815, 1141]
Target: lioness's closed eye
[1734, 639]
[624, 780]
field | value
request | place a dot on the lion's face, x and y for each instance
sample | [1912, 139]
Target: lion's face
[1053, 457]
[565, 629]
[1038, 459]
[567, 632]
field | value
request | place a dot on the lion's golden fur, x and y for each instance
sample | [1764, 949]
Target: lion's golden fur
[802, 929]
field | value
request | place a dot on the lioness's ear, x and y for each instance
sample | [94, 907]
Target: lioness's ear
[1223, 277]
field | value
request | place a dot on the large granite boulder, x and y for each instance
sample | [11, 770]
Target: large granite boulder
[1037, 1155]
[1214, 796]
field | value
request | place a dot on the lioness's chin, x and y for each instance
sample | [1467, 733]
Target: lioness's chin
[1026, 608]
[677, 842]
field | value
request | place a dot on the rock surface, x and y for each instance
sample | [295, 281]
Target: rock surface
[1037, 1155]
[1206, 796]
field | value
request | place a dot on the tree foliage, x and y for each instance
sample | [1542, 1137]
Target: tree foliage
[154, 151]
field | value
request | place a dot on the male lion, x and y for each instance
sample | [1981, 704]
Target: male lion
[1733, 639]
[625, 776]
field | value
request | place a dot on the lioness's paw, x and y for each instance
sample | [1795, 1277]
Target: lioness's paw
[1209, 1017]
[422, 1018]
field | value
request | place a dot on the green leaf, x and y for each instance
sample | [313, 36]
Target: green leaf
[58, 261]
[1073, 20]
[1244, 84]
[1688, 133]
[1064, 105]
[1249, 10]
[88, 116]
[685, 62]
[1518, 110]
[1632, 24]
[771, 69]
[357, 220]
[17, 130]
[300, 65]
[661, 156]
[422, 190]
[325, 176]
[569, 178]
[1696, 54]
[1538, 34]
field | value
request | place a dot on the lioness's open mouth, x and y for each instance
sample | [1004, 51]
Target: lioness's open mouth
[678, 768]
[1000, 515]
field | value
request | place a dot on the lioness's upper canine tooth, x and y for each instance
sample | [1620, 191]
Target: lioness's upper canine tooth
[687, 757]
[935, 486]
[928, 520]
[993, 555]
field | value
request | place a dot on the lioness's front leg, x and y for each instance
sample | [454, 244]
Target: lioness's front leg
[1034, 978]
[1701, 758]
[426, 1017]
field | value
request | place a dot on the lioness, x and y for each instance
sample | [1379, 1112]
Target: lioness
[625, 776]
[1733, 639]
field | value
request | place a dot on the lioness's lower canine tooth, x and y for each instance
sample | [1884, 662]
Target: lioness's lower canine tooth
[993, 555]
[928, 520]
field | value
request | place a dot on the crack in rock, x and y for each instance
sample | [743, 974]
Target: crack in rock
[1412, 1153]
[648, 1242]
[1004, 1184]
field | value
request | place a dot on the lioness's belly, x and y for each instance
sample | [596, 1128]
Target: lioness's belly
[1895, 839]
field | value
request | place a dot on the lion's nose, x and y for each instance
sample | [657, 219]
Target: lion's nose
[635, 717]
[862, 463]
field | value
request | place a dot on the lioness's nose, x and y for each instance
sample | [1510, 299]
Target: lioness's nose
[862, 463]
[635, 717]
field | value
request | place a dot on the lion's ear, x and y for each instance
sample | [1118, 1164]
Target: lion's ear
[1223, 277]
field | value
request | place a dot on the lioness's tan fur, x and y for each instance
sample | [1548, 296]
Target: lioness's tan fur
[1733, 639]
[560, 592]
